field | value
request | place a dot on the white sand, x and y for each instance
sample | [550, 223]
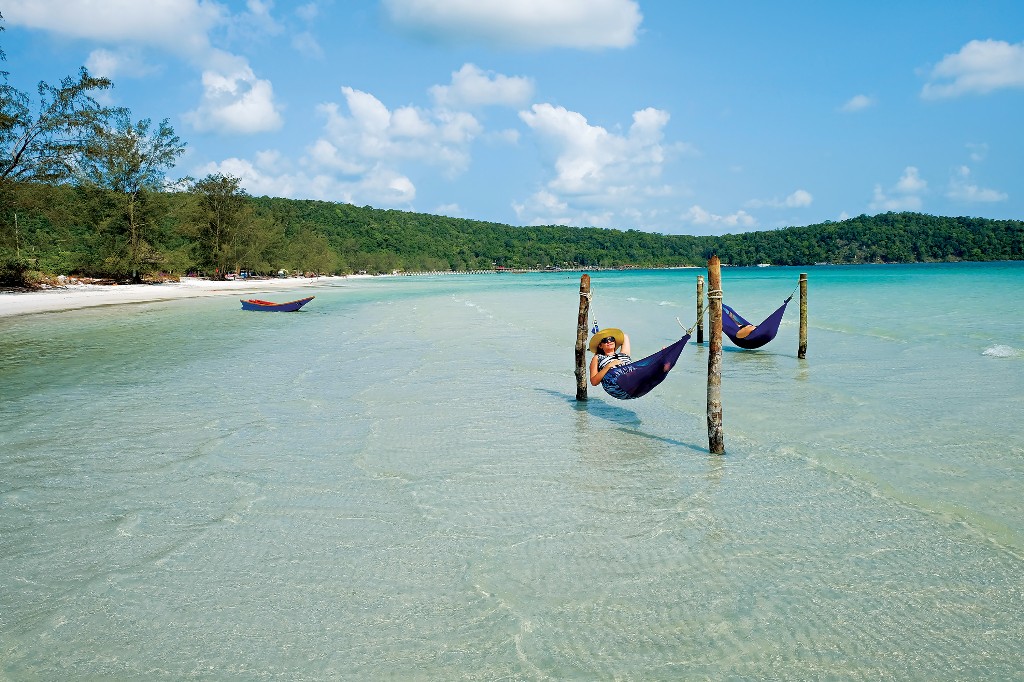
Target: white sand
[86, 295]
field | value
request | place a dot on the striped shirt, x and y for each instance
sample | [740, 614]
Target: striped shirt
[610, 383]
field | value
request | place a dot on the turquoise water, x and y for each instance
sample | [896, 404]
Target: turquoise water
[397, 483]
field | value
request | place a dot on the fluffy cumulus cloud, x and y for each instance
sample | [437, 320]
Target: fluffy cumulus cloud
[980, 67]
[368, 152]
[594, 168]
[521, 23]
[962, 188]
[906, 195]
[372, 135]
[471, 87]
[233, 99]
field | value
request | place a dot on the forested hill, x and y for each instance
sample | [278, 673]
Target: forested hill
[216, 228]
[402, 240]
[884, 238]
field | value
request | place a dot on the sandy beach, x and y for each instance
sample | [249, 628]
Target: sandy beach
[75, 296]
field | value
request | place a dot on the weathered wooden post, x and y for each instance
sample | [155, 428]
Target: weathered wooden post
[700, 308]
[716, 438]
[802, 351]
[581, 339]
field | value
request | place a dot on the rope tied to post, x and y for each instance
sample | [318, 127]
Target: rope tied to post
[589, 295]
[690, 330]
[715, 293]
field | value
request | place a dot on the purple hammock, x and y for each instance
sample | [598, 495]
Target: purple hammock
[762, 334]
[638, 378]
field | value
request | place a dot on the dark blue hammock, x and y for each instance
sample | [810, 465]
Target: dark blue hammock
[638, 378]
[762, 334]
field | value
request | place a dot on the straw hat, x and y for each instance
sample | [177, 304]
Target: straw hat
[605, 333]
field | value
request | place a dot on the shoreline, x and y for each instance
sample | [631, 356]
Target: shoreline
[78, 296]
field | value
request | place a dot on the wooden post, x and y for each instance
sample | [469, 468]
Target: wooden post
[716, 438]
[581, 339]
[802, 350]
[700, 308]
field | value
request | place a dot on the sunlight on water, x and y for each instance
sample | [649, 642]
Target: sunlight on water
[397, 482]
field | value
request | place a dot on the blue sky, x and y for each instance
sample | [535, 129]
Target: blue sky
[670, 116]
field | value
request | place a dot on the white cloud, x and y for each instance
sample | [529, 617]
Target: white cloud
[450, 210]
[372, 133]
[363, 145]
[905, 195]
[379, 186]
[592, 161]
[472, 87]
[910, 182]
[546, 208]
[798, 199]
[962, 189]
[543, 208]
[324, 154]
[585, 151]
[179, 26]
[598, 175]
[980, 67]
[359, 155]
[127, 62]
[234, 99]
[235, 102]
[521, 23]
[702, 218]
[880, 201]
[858, 103]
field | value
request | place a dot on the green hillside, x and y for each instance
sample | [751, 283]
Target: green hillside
[214, 229]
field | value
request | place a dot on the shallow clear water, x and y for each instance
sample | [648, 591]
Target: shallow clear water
[397, 482]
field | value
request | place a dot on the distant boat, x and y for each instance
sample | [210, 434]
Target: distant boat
[269, 306]
[764, 265]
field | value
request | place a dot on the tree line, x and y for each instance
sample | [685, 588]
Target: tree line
[213, 228]
[85, 190]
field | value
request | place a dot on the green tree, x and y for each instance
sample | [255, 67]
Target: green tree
[311, 252]
[223, 210]
[131, 161]
[44, 146]
[257, 243]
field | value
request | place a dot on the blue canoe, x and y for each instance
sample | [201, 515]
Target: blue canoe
[269, 306]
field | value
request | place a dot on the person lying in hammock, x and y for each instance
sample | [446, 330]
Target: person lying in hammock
[744, 328]
[611, 359]
[620, 375]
